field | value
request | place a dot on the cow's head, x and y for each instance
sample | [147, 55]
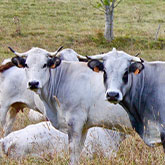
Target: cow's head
[37, 63]
[117, 67]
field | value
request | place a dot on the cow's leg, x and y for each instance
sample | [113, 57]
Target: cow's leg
[77, 136]
[3, 113]
[162, 129]
[76, 144]
[162, 136]
[10, 118]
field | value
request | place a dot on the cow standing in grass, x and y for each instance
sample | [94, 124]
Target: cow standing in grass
[138, 86]
[14, 95]
[72, 94]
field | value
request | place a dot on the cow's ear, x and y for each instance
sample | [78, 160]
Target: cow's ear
[19, 62]
[96, 65]
[54, 62]
[136, 67]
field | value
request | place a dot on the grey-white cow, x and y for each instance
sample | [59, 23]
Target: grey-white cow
[72, 94]
[43, 139]
[14, 95]
[139, 87]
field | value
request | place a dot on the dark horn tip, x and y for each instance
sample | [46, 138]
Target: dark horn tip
[88, 57]
[141, 60]
[60, 48]
[137, 54]
[11, 49]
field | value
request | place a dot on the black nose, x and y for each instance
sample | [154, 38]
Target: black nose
[112, 96]
[33, 84]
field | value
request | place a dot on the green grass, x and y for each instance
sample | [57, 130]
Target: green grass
[77, 25]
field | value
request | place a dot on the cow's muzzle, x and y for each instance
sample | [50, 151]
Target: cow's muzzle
[33, 85]
[112, 96]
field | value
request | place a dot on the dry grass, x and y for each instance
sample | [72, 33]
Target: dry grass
[76, 24]
[132, 151]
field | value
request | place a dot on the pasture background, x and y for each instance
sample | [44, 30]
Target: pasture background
[78, 25]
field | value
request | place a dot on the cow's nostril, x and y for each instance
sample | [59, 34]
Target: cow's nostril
[112, 96]
[33, 84]
[107, 95]
[117, 95]
[30, 84]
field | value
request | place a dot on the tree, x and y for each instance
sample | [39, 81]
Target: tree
[108, 7]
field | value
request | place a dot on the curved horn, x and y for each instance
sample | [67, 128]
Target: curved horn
[137, 54]
[136, 59]
[101, 56]
[96, 57]
[18, 54]
[55, 53]
[80, 57]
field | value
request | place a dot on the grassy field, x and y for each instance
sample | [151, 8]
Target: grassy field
[78, 25]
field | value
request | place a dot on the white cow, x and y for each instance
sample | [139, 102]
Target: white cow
[13, 89]
[139, 86]
[14, 95]
[72, 94]
[43, 139]
[35, 116]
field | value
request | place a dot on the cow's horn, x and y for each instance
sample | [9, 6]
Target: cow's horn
[16, 53]
[80, 57]
[88, 57]
[96, 57]
[136, 59]
[137, 54]
[55, 53]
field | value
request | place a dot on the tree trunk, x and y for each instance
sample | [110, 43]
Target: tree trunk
[109, 9]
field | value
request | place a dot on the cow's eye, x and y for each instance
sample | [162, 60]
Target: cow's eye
[44, 66]
[125, 77]
[105, 76]
[26, 66]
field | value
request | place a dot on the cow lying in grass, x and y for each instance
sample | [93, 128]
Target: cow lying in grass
[43, 139]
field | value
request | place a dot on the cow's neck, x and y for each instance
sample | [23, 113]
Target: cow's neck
[144, 102]
[133, 102]
[49, 95]
[144, 94]
[52, 87]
